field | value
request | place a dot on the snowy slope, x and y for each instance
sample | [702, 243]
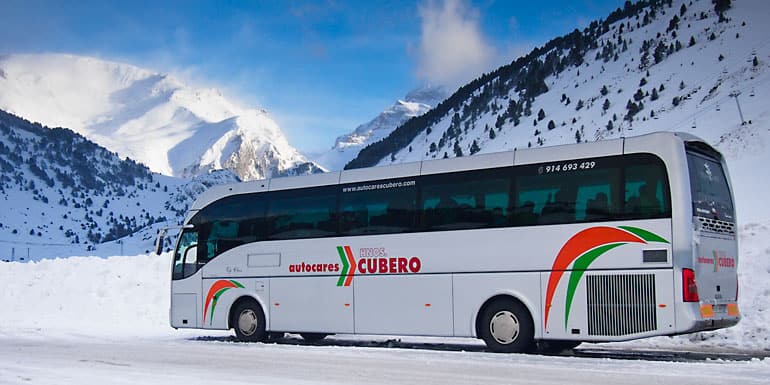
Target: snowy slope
[695, 75]
[64, 195]
[346, 147]
[153, 118]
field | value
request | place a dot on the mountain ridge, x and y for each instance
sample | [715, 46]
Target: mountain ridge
[148, 116]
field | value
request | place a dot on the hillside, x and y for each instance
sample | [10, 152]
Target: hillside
[63, 194]
[653, 65]
[154, 118]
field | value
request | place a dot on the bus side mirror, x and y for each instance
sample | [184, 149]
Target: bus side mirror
[159, 244]
[159, 241]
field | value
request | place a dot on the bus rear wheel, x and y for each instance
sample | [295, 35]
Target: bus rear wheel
[248, 320]
[506, 327]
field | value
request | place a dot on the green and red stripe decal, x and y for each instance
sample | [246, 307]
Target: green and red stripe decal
[583, 249]
[348, 266]
[215, 291]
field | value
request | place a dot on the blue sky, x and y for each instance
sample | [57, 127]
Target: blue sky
[320, 68]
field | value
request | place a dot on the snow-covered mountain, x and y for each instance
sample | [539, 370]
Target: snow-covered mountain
[346, 147]
[147, 116]
[653, 65]
[62, 195]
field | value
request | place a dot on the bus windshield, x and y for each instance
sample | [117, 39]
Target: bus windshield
[710, 191]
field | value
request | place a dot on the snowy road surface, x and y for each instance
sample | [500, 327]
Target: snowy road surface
[85, 360]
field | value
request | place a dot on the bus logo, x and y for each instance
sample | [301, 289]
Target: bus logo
[583, 249]
[373, 261]
[348, 265]
[720, 260]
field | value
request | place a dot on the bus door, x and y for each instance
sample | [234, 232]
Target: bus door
[186, 282]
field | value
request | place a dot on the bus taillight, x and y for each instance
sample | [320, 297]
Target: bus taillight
[689, 287]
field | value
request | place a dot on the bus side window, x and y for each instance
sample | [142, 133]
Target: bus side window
[646, 194]
[305, 213]
[466, 200]
[525, 214]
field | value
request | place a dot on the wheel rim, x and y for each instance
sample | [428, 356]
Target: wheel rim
[504, 327]
[248, 322]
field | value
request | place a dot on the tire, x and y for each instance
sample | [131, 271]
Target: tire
[556, 346]
[506, 326]
[313, 337]
[248, 320]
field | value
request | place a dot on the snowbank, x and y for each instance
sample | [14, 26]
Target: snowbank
[128, 296]
[114, 296]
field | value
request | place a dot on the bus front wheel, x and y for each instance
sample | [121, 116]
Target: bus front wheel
[506, 327]
[248, 320]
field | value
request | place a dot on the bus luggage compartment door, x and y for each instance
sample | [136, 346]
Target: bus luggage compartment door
[404, 304]
[311, 304]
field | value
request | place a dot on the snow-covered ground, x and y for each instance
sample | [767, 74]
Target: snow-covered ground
[137, 361]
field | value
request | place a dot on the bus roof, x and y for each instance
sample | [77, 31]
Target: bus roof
[435, 166]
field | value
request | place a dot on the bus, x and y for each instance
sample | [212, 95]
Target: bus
[593, 242]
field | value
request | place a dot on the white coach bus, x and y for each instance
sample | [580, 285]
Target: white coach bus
[602, 241]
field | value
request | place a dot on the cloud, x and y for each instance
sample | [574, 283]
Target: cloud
[452, 48]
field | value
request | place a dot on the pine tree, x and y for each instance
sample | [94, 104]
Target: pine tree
[604, 91]
[654, 95]
[457, 149]
[541, 114]
[492, 134]
[722, 5]
[551, 125]
[579, 105]
[474, 147]
[660, 52]
[673, 24]
[606, 105]
[610, 126]
[755, 62]
[639, 95]
[642, 82]
[578, 139]
[692, 41]
[682, 10]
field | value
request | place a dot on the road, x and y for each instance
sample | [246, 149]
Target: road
[216, 360]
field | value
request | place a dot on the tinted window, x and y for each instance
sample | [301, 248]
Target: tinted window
[710, 192]
[565, 192]
[304, 213]
[230, 222]
[646, 188]
[466, 200]
[378, 207]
